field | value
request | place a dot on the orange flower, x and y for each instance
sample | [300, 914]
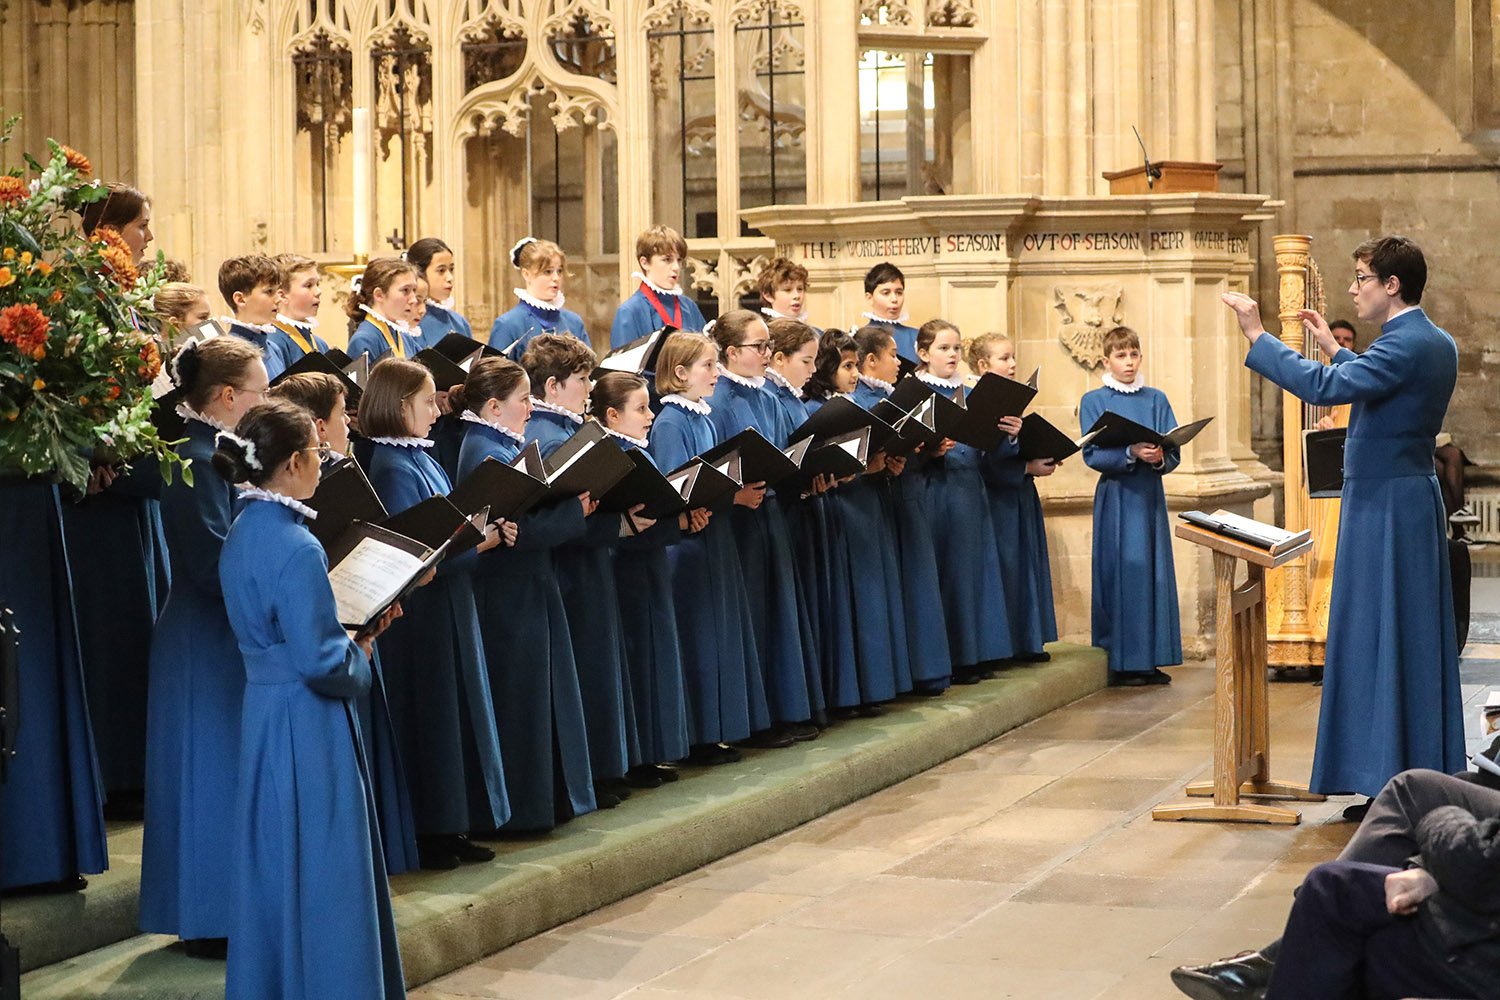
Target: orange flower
[55, 297]
[38, 385]
[25, 326]
[9, 253]
[116, 254]
[77, 161]
[113, 393]
[151, 356]
[43, 268]
[6, 277]
[12, 189]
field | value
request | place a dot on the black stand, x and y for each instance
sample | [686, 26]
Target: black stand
[10, 667]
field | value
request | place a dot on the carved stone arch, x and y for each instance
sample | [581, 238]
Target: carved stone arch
[301, 20]
[386, 19]
[506, 106]
[754, 11]
[887, 11]
[660, 13]
[561, 13]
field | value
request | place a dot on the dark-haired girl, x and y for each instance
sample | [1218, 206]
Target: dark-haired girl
[380, 311]
[311, 908]
[434, 262]
[197, 673]
[543, 267]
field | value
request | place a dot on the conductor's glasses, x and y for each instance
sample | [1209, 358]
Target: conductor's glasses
[1360, 279]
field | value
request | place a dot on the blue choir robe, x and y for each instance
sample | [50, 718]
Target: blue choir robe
[439, 322]
[436, 673]
[586, 581]
[376, 338]
[51, 805]
[197, 688]
[311, 906]
[637, 317]
[1135, 615]
[1391, 695]
[905, 337]
[270, 344]
[1025, 566]
[513, 330]
[293, 341]
[653, 654]
[778, 605]
[533, 676]
[725, 691]
[964, 542]
[117, 549]
[928, 656]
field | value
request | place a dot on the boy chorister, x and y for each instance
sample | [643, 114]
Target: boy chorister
[301, 296]
[251, 286]
[659, 301]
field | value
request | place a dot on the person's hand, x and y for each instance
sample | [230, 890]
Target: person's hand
[1314, 323]
[1010, 425]
[443, 405]
[1151, 454]
[1404, 891]
[944, 447]
[637, 523]
[1327, 423]
[492, 538]
[1041, 467]
[431, 575]
[693, 521]
[895, 464]
[751, 495]
[589, 503]
[509, 532]
[1247, 312]
[100, 479]
[366, 641]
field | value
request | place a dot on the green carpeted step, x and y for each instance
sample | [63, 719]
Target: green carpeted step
[450, 919]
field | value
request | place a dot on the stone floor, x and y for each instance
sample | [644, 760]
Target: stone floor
[1029, 868]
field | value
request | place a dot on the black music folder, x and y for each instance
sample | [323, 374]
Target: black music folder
[948, 415]
[760, 461]
[993, 397]
[703, 486]
[914, 428]
[1040, 438]
[508, 492]
[451, 359]
[371, 567]
[344, 496]
[1115, 431]
[589, 461]
[437, 523]
[314, 362]
[637, 357]
[841, 456]
[840, 416]
[645, 484]
[1323, 462]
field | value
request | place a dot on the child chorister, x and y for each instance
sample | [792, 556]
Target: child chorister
[312, 910]
[197, 675]
[660, 300]
[380, 310]
[1025, 568]
[1135, 613]
[908, 522]
[252, 288]
[783, 291]
[885, 304]
[643, 578]
[300, 299]
[962, 532]
[436, 672]
[533, 676]
[726, 693]
[435, 265]
[558, 368]
[543, 266]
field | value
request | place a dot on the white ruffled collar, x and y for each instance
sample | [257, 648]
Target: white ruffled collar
[697, 406]
[531, 300]
[780, 379]
[654, 286]
[256, 493]
[888, 322]
[641, 443]
[800, 317]
[878, 384]
[561, 411]
[446, 305]
[493, 425]
[956, 382]
[1125, 387]
[842, 395]
[306, 324]
[403, 442]
[186, 412]
[748, 383]
[394, 324]
[266, 328]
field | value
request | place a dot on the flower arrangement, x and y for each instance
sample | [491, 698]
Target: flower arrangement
[77, 357]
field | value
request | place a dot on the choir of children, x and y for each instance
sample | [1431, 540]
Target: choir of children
[575, 654]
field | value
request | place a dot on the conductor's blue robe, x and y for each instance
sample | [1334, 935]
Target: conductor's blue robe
[533, 676]
[197, 687]
[439, 322]
[586, 581]
[376, 339]
[637, 317]
[437, 680]
[1025, 566]
[514, 329]
[1391, 696]
[725, 691]
[312, 910]
[1135, 583]
[293, 341]
[51, 805]
[778, 607]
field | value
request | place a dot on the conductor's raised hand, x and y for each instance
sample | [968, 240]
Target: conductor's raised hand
[1247, 312]
[1314, 323]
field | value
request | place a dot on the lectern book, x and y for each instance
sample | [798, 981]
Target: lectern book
[1263, 536]
[1115, 431]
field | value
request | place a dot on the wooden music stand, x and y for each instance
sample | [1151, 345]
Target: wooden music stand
[1242, 731]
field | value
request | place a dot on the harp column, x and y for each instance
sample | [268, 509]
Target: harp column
[1292, 256]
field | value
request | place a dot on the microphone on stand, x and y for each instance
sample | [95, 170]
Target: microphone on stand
[1153, 172]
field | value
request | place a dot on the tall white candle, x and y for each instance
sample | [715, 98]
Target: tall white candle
[361, 140]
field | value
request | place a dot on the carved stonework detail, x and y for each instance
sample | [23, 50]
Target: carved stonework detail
[1087, 313]
[255, 17]
[494, 47]
[324, 84]
[662, 13]
[705, 277]
[951, 14]
[748, 12]
[886, 11]
[747, 277]
[563, 15]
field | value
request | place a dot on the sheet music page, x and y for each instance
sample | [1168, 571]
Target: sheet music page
[369, 578]
[1259, 529]
[628, 361]
[557, 473]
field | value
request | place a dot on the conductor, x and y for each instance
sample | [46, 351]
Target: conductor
[1391, 698]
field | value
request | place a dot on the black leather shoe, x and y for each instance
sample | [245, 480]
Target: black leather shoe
[1356, 813]
[1040, 657]
[1158, 676]
[711, 755]
[433, 855]
[643, 776]
[666, 772]
[467, 851]
[213, 949]
[1243, 977]
[801, 732]
[1128, 678]
[774, 738]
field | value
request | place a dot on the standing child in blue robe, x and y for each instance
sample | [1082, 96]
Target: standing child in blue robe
[301, 295]
[782, 284]
[436, 265]
[885, 304]
[322, 396]
[643, 586]
[543, 267]
[312, 911]
[533, 676]
[778, 608]
[660, 300]
[558, 369]
[380, 311]
[252, 287]
[197, 682]
[437, 678]
[963, 534]
[1025, 567]
[1135, 582]
[725, 689]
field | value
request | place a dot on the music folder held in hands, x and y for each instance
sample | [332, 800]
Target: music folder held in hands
[644, 485]
[1263, 536]
[344, 496]
[992, 398]
[637, 357]
[948, 415]
[760, 461]
[914, 428]
[1115, 431]
[316, 362]
[1323, 462]
[841, 457]
[506, 491]
[1040, 438]
[588, 462]
[703, 486]
[838, 417]
[371, 567]
[451, 359]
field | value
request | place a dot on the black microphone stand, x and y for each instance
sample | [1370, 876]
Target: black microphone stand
[1153, 172]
